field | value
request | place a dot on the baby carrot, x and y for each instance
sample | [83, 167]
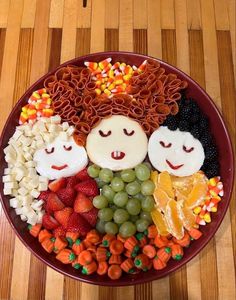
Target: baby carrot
[128, 265]
[93, 236]
[115, 259]
[34, 229]
[48, 244]
[107, 239]
[44, 234]
[78, 246]
[89, 268]
[149, 250]
[102, 254]
[120, 238]
[71, 237]
[141, 261]
[131, 243]
[116, 247]
[160, 241]
[85, 257]
[60, 243]
[87, 243]
[152, 232]
[141, 239]
[114, 272]
[66, 256]
[184, 242]
[158, 264]
[102, 268]
[195, 233]
[164, 254]
[75, 264]
[177, 251]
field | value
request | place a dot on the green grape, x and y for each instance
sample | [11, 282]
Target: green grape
[108, 192]
[133, 188]
[106, 175]
[113, 207]
[121, 199]
[147, 187]
[100, 183]
[127, 229]
[148, 203]
[117, 184]
[118, 174]
[139, 196]
[142, 172]
[146, 216]
[100, 226]
[141, 225]
[93, 171]
[100, 201]
[105, 214]
[128, 175]
[133, 218]
[146, 163]
[133, 206]
[111, 228]
[120, 216]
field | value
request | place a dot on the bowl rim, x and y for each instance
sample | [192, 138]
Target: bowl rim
[223, 212]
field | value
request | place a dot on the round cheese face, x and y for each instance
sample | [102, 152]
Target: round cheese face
[117, 143]
[60, 159]
[177, 152]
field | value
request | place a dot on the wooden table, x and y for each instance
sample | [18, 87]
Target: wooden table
[198, 36]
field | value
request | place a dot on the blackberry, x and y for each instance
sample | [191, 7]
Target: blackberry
[185, 112]
[184, 125]
[212, 171]
[211, 152]
[206, 139]
[194, 118]
[203, 122]
[196, 131]
[171, 122]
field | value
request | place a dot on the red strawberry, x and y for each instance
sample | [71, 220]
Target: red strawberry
[54, 203]
[62, 216]
[49, 222]
[57, 184]
[67, 196]
[83, 175]
[44, 195]
[82, 203]
[91, 216]
[88, 187]
[71, 181]
[59, 231]
[78, 224]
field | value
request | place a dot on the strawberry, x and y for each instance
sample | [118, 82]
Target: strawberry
[83, 175]
[57, 184]
[44, 195]
[54, 203]
[62, 216]
[71, 181]
[82, 203]
[49, 222]
[59, 231]
[67, 196]
[88, 187]
[91, 216]
[78, 224]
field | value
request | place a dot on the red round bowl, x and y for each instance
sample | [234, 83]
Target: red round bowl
[226, 159]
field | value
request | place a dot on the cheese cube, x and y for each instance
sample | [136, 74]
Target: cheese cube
[18, 210]
[40, 216]
[42, 186]
[10, 185]
[39, 144]
[27, 156]
[27, 200]
[32, 218]
[63, 136]
[17, 134]
[32, 172]
[7, 171]
[7, 178]
[65, 125]
[10, 158]
[34, 193]
[15, 203]
[30, 164]
[70, 130]
[43, 179]
[7, 191]
[14, 192]
[25, 210]
[23, 218]
[23, 191]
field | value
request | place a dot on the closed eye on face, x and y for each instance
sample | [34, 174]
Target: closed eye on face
[128, 133]
[49, 151]
[165, 145]
[67, 148]
[103, 134]
[188, 150]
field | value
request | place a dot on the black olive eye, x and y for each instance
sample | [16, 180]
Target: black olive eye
[67, 148]
[164, 145]
[104, 134]
[188, 150]
[49, 151]
[128, 133]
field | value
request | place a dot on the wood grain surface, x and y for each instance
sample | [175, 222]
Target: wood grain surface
[197, 36]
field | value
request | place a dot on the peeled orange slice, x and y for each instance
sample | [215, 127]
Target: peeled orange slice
[187, 217]
[164, 182]
[197, 195]
[161, 198]
[160, 222]
[154, 176]
[182, 185]
[173, 220]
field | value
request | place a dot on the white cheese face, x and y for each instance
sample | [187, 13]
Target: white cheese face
[177, 152]
[117, 143]
[60, 159]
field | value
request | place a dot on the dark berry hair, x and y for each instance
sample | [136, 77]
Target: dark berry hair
[191, 119]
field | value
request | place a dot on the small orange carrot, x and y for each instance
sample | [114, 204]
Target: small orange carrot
[142, 240]
[114, 272]
[195, 233]
[107, 239]
[116, 247]
[184, 242]
[75, 264]
[115, 259]
[78, 247]
[44, 234]
[89, 268]
[71, 237]
[177, 252]
[66, 256]
[34, 229]
[92, 249]
[102, 268]
[160, 242]
[87, 243]
[102, 254]
[141, 261]
[152, 232]
[131, 243]
[85, 257]
[60, 243]
[48, 244]
[164, 254]
[128, 265]
[158, 264]
[149, 250]
[93, 236]
[130, 254]
[120, 238]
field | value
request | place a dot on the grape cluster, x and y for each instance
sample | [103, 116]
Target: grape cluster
[125, 201]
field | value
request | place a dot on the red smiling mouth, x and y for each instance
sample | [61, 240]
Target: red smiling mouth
[117, 155]
[59, 168]
[172, 166]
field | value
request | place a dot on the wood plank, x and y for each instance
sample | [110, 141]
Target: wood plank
[83, 41]
[193, 279]
[84, 15]
[89, 292]
[232, 23]
[107, 293]
[2, 43]
[126, 25]
[112, 14]
[125, 292]
[28, 16]
[154, 28]
[194, 14]
[161, 287]
[54, 279]
[221, 15]
[72, 289]
[143, 291]
[140, 41]
[97, 26]
[54, 47]
[167, 14]
[4, 9]
[111, 39]
[56, 14]
[178, 284]
[140, 14]
[169, 52]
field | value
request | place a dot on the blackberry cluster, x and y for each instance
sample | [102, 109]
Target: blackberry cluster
[191, 119]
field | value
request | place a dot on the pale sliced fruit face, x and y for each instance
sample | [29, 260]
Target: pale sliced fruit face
[164, 182]
[160, 222]
[197, 195]
[173, 220]
[161, 198]
[188, 218]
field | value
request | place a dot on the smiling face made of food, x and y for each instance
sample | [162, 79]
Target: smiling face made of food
[117, 143]
[60, 159]
[177, 152]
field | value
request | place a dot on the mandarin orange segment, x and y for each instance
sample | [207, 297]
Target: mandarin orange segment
[187, 217]
[154, 176]
[161, 198]
[172, 216]
[197, 195]
[159, 221]
[183, 185]
[164, 182]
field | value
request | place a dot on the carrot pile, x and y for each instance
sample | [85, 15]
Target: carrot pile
[112, 254]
